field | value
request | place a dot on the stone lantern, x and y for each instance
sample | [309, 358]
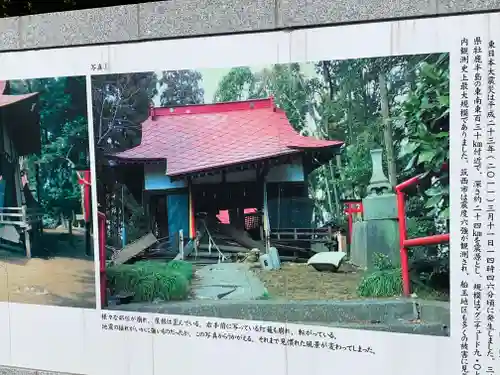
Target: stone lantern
[378, 232]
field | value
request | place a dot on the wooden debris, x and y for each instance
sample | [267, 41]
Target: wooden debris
[10, 233]
[135, 248]
[251, 256]
[242, 237]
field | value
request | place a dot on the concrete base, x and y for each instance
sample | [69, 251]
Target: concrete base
[374, 237]
[394, 315]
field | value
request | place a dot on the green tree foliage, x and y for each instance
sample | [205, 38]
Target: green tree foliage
[180, 87]
[63, 121]
[424, 143]
[120, 103]
[341, 100]
[285, 83]
[238, 84]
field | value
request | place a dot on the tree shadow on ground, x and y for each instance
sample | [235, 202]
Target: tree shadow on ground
[59, 243]
[13, 257]
[86, 299]
[54, 243]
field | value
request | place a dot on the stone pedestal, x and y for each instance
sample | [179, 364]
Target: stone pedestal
[375, 236]
[380, 207]
[378, 233]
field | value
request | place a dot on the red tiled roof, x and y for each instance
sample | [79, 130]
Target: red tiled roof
[196, 138]
[10, 99]
[25, 130]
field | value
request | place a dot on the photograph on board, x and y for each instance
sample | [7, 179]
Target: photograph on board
[46, 250]
[307, 192]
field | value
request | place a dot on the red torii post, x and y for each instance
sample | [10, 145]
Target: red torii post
[404, 242]
[351, 207]
[102, 258]
[84, 179]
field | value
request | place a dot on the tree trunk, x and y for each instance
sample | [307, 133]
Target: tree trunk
[335, 191]
[37, 178]
[63, 221]
[329, 195]
[389, 144]
[338, 163]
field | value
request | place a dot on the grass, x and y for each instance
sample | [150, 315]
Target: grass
[299, 282]
[152, 280]
[381, 283]
[386, 281]
[265, 296]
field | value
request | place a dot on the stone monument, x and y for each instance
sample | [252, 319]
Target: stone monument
[378, 232]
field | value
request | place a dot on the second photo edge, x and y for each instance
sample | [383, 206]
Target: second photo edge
[278, 193]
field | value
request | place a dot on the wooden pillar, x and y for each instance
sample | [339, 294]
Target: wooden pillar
[27, 231]
[20, 200]
[192, 224]
[237, 217]
[241, 217]
[123, 219]
[267, 230]
[37, 177]
[233, 216]
[146, 204]
[27, 236]
[262, 172]
[181, 244]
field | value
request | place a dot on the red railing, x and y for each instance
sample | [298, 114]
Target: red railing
[404, 242]
[84, 179]
[102, 257]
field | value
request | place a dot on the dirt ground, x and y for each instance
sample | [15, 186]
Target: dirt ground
[297, 281]
[63, 277]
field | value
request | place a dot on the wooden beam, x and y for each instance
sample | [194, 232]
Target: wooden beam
[20, 200]
[241, 237]
[27, 242]
[267, 229]
[191, 213]
[227, 248]
[134, 248]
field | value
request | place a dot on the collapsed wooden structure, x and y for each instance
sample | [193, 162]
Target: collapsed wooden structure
[241, 160]
[20, 217]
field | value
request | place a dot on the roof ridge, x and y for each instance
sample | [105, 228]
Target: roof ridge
[213, 108]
